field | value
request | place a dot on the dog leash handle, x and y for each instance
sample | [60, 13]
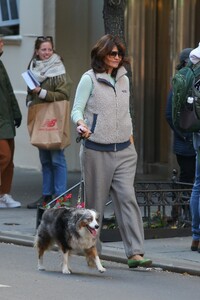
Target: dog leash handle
[79, 138]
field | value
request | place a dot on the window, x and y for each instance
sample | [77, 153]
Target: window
[9, 17]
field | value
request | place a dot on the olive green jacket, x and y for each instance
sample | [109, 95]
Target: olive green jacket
[58, 88]
[9, 108]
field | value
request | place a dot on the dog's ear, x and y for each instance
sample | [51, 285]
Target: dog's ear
[97, 215]
[84, 219]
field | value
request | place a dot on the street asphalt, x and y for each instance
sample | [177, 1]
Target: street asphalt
[18, 226]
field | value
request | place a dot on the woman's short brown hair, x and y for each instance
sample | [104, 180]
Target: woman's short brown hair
[103, 47]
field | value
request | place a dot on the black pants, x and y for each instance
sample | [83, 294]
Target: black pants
[187, 168]
[187, 174]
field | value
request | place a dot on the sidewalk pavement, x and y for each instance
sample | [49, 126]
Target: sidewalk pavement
[18, 226]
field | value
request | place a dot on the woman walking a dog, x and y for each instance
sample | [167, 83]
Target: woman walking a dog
[108, 155]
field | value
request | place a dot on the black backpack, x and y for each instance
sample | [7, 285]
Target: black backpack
[186, 83]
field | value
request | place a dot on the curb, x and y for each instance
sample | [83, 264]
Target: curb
[118, 257]
[17, 239]
[163, 267]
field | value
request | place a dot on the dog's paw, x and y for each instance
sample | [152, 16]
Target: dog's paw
[65, 270]
[102, 269]
[41, 268]
[99, 265]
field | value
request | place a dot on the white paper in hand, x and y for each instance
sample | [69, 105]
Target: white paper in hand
[30, 80]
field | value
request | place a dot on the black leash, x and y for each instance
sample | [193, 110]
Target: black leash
[79, 138]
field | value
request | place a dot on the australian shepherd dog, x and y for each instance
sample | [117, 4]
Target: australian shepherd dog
[72, 229]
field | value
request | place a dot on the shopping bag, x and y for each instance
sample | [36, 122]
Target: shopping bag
[49, 125]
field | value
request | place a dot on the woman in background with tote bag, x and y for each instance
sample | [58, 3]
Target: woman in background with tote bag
[55, 84]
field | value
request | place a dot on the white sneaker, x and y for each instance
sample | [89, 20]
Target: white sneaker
[6, 201]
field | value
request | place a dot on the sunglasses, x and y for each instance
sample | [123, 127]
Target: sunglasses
[45, 38]
[115, 53]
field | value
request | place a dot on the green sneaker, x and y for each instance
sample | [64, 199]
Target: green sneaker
[145, 262]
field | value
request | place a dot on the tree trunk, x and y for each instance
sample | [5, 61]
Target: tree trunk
[113, 14]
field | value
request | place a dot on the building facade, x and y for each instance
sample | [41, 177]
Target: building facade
[155, 30]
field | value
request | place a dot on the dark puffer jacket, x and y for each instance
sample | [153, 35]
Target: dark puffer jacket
[9, 108]
[183, 142]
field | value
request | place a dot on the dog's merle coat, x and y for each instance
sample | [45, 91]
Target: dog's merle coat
[71, 229]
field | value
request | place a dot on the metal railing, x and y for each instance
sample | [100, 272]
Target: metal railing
[162, 203]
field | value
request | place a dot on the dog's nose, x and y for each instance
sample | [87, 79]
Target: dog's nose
[96, 226]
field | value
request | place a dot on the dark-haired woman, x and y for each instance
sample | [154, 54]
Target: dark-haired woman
[108, 156]
[55, 84]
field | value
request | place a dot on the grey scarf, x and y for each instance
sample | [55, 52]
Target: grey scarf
[51, 67]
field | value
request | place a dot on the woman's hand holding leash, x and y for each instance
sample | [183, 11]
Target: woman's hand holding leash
[83, 131]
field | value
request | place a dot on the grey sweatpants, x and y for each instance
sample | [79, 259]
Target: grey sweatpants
[112, 174]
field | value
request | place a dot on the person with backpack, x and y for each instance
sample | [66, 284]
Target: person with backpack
[182, 141]
[195, 196]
